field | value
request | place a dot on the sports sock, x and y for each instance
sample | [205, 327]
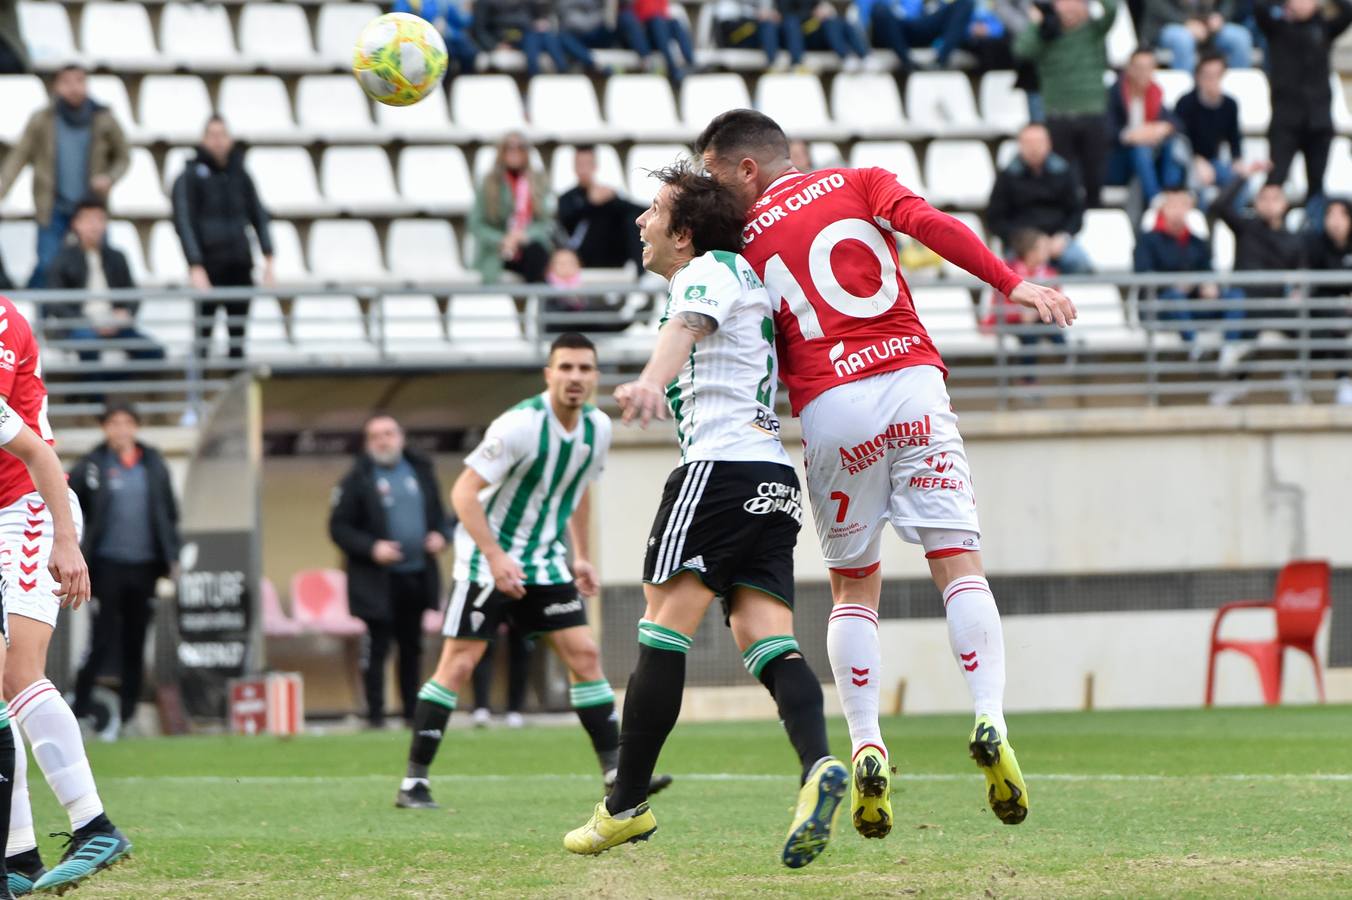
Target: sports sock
[978, 644]
[779, 665]
[651, 705]
[54, 734]
[7, 757]
[594, 703]
[21, 836]
[856, 663]
[430, 715]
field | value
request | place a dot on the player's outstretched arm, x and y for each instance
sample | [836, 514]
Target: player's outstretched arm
[1052, 306]
[508, 576]
[646, 398]
[579, 534]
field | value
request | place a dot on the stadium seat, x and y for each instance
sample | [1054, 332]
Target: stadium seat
[176, 159]
[1299, 603]
[288, 260]
[959, 173]
[642, 107]
[173, 108]
[285, 180]
[139, 193]
[798, 104]
[257, 108]
[359, 181]
[18, 203]
[276, 623]
[333, 108]
[485, 323]
[411, 324]
[1173, 83]
[18, 248]
[1122, 38]
[1222, 247]
[319, 603]
[267, 335]
[644, 158]
[895, 156]
[564, 108]
[118, 36]
[331, 327]
[1109, 239]
[1338, 181]
[123, 236]
[1101, 323]
[705, 96]
[435, 180]
[1342, 114]
[1005, 153]
[825, 154]
[346, 251]
[609, 170]
[1249, 87]
[276, 36]
[426, 120]
[487, 154]
[169, 321]
[486, 107]
[198, 37]
[940, 103]
[111, 91]
[165, 254]
[868, 105]
[950, 318]
[1004, 107]
[424, 250]
[46, 31]
[337, 29]
[20, 97]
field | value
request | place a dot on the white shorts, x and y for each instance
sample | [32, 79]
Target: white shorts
[26, 586]
[885, 448]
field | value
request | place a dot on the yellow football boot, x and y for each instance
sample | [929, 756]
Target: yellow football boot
[818, 803]
[604, 831]
[871, 793]
[1007, 793]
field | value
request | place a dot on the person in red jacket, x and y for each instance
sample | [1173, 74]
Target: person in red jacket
[654, 16]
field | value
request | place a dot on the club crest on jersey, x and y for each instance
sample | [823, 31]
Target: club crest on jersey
[847, 364]
[697, 293]
[899, 434]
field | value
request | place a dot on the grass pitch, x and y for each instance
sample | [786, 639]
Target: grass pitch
[1236, 803]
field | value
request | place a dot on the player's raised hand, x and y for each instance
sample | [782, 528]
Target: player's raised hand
[585, 577]
[67, 566]
[508, 576]
[642, 400]
[1051, 304]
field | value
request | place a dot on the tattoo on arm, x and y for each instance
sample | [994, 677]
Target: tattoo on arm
[702, 325]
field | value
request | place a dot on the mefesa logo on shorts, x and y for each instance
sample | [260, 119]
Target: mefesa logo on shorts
[940, 463]
[898, 434]
[775, 496]
[847, 364]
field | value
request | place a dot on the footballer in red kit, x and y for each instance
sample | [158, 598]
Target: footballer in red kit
[881, 442]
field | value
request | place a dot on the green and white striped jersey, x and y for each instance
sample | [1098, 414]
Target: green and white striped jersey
[723, 399]
[536, 473]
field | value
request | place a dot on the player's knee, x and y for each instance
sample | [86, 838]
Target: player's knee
[585, 661]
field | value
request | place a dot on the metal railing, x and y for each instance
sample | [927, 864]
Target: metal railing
[1133, 345]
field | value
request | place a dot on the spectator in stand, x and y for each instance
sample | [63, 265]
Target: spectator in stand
[1330, 249]
[513, 216]
[525, 25]
[902, 25]
[89, 263]
[1032, 259]
[1183, 27]
[452, 19]
[661, 30]
[1300, 36]
[800, 156]
[584, 23]
[1143, 130]
[746, 24]
[131, 540]
[215, 203]
[988, 37]
[13, 53]
[1067, 47]
[1209, 119]
[1039, 190]
[580, 311]
[76, 148]
[598, 222]
[815, 25]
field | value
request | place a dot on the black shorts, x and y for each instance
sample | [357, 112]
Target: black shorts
[731, 523]
[476, 610]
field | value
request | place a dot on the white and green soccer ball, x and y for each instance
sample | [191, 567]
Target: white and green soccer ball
[399, 59]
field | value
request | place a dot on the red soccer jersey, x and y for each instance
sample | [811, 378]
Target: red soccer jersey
[21, 385]
[825, 246]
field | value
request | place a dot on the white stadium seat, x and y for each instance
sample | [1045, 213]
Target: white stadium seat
[266, 335]
[20, 97]
[198, 36]
[1005, 153]
[412, 324]
[705, 96]
[424, 250]
[825, 154]
[122, 235]
[338, 27]
[959, 173]
[176, 159]
[798, 104]
[1101, 323]
[140, 192]
[117, 35]
[1249, 87]
[288, 261]
[277, 36]
[487, 106]
[642, 107]
[1342, 114]
[1109, 239]
[485, 322]
[165, 254]
[1004, 107]
[646, 157]
[173, 108]
[1338, 181]
[359, 181]
[426, 120]
[941, 103]
[285, 180]
[1174, 83]
[256, 108]
[18, 203]
[333, 108]
[19, 248]
[346, 250]
[609, 170]
[331, 326]
[1122, 38]
[895, 156]
[47, 33]
[563, 107]
[436, 180]
[950, 318]
[112, 93]
[868, 104]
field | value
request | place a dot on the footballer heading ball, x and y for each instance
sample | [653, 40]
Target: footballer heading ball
[398, 59]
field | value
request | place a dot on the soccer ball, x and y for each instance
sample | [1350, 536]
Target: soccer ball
[398, 59]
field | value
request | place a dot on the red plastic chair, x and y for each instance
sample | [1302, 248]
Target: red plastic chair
[276, 623]
[1299, 602]
[319, 602]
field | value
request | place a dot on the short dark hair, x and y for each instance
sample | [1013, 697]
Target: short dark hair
[1024, 240]
[1143, 51]
[122, 407]
[571, 340]
[709, 211]
[742, 132]
[1208, 57]
[70, 67]
[583, 148]
[91, 201]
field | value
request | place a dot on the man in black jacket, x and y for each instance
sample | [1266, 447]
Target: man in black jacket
[131, 540]
[388, 520]
[214, 202]
[1300, 34]
[1040, 190]
[524, 24]
[599, 223]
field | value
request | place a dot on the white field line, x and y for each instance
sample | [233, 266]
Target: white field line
[712, 776]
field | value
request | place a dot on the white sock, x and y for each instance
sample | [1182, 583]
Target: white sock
[21, 836]
[409, 783]
[856, 662]
[978, 644]
[58, 746]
